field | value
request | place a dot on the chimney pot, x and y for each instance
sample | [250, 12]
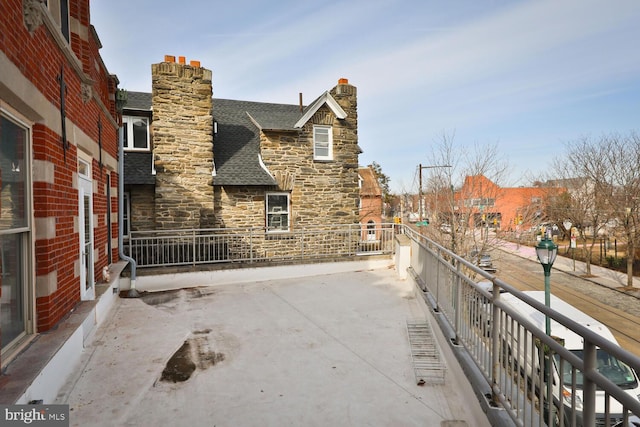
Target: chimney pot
[182, 60]
[343, 81]
[169, 58]
[194, 63]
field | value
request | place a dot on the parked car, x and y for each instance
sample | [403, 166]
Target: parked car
[482, 260]
[633, 422]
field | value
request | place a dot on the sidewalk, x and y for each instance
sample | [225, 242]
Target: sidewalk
[599, 275]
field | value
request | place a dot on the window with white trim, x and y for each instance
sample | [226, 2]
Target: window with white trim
[322, 143]
[277, 210]
[136, 133]
[59, 10]
[16, 298]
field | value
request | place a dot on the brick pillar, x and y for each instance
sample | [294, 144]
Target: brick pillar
[182, 132]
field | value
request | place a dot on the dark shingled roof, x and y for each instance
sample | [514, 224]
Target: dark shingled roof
[138, 101]
[137, 168]
[236, 146]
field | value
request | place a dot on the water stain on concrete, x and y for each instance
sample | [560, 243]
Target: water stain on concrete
[195, 353]
[180, 367]
[159, 298]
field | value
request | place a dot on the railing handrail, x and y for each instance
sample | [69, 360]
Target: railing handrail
[251, 244]
[443, 289]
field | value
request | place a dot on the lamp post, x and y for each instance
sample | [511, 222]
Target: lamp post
[547, 251]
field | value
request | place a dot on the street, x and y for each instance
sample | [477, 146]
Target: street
[617, 310]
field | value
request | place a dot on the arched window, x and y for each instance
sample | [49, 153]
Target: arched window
[371, 230]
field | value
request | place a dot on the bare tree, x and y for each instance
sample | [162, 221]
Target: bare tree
[461, 221]
[622, 155]
[605, 184]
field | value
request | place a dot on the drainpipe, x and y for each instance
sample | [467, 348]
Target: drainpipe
[133, 293]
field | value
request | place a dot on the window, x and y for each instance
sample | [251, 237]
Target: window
[371, 231]
[64, 19]
[277, 208]
[136, 133]
[322, 143]
[15, 297]
[59, 10]
[84, 168]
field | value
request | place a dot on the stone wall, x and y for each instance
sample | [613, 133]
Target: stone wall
[142, 201]
[182, 132]
[322, 192]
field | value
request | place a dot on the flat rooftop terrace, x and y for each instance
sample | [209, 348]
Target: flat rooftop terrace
[318, 350]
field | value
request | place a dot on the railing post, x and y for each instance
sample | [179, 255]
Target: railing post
[589, 387]
[193, 245]
[495, 341]
[457, 298]
[251, 244]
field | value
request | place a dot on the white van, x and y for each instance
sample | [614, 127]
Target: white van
[615, 370]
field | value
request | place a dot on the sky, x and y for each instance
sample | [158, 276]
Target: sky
[524, 76]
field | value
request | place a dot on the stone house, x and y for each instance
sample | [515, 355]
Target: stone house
[58, 168]
[193, 161]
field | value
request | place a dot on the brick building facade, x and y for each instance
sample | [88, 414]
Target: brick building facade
[58, 165]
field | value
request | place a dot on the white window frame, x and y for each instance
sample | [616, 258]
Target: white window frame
[271, 213]
[24, 237]
[61, 14]
[84, 167]
[321, 131]
[127, 124]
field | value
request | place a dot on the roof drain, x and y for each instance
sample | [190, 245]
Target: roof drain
[133, 293]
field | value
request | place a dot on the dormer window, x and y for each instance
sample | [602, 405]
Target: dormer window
[136, 133]
[322, 143]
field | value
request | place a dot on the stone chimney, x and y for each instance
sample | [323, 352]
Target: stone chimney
[182, 130]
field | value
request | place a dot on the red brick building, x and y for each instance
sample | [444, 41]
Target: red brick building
[58, 165]
[502, 208]
[370, 203]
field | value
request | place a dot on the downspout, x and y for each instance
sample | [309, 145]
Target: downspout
[133, 293]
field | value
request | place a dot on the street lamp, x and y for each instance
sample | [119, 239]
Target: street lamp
[547, 251]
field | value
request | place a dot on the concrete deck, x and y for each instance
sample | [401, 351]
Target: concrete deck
[327, 349]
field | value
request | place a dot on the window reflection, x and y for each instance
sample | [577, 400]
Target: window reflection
[12, 183]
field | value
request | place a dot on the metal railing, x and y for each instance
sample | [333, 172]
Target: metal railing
[515, 356]
[210, 246]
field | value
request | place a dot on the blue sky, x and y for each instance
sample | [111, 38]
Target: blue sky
[526, 76]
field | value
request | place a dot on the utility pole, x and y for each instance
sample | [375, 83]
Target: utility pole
[420, 168]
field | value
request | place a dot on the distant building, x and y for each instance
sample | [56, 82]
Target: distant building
[503, 208]
[370, 203]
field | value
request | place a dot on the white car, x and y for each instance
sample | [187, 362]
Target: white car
[633, 422]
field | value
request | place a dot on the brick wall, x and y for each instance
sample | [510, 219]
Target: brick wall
[33, 55]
